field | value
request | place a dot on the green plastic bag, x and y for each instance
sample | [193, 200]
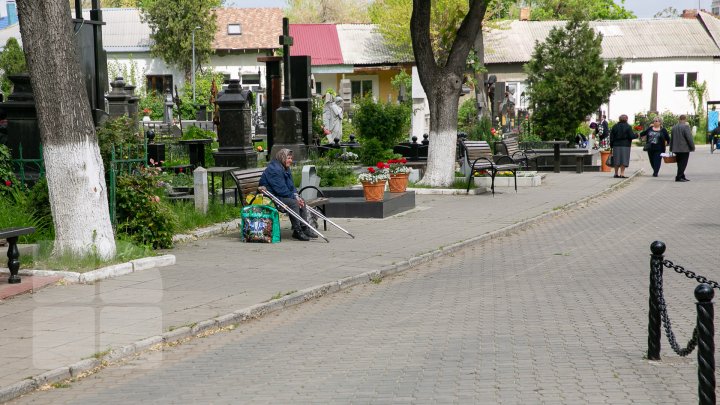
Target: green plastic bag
[259, 224]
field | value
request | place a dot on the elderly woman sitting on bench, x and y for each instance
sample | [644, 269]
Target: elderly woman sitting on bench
[278, 180]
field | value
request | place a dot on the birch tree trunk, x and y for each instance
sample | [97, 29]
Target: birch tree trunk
[74, 169]
[442, 85]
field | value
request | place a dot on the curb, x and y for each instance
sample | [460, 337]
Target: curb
[103, 273]
[259, 310]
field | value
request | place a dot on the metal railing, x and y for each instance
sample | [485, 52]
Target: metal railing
[703, 334]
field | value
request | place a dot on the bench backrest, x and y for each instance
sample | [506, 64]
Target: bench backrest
[477, 149]
[511, 146]
[247, 181]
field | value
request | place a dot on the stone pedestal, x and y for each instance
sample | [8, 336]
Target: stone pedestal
[288, 131]
[132, 102]
[118, 99]
[234, 131]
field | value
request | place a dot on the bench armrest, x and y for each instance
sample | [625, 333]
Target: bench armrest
[313, 188]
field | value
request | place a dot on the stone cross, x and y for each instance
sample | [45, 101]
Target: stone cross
[286, 41]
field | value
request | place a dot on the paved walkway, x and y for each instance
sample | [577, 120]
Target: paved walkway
[61, 325]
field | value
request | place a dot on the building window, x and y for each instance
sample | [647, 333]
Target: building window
[360, 88]
[234, 29]
[685, 79]
[160, 84]
[318, 88]
[251, 79]
[631, 81]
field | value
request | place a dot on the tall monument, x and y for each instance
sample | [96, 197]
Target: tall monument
[288, 121]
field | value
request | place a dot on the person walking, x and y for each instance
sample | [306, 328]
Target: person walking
[681, 144]
[621, 136]
[656, 137]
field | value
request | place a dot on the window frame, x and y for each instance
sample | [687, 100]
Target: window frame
[632, 78]
[686, 82]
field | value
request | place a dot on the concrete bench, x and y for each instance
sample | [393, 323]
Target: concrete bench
[578, 155]
[12, 235]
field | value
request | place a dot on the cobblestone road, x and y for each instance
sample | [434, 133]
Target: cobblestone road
[555, 314]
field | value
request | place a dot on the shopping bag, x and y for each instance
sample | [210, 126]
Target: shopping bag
[609, 161]
[259, 223]
[669, 157]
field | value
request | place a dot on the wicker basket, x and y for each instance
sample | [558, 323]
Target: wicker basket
[669, 159]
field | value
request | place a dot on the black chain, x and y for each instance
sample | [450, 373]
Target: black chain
[666, 319]
[690, 274]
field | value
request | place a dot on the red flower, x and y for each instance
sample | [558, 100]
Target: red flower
[8, 183]
[492, 131]
[403, 160]
[380, 165]
[371, 170]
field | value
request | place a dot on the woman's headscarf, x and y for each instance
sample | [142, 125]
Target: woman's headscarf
[281, 156]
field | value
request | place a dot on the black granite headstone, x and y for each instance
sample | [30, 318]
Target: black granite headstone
[234, 131]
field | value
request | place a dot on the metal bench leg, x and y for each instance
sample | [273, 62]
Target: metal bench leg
[470, 178]
[13, 255]
[515, 178]
[492, 182]
[579, 164]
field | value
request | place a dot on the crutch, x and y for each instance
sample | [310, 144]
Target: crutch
[289, 211]
[320, 215]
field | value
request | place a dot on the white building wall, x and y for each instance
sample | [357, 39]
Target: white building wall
[144, 65]
[669, 98]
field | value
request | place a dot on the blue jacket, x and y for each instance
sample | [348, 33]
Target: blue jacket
[278, 180]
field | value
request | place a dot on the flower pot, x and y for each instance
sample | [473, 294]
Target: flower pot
[603, 158]
[398, 182]
[374, 191]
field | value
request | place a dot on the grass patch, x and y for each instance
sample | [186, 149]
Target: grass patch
[189, 218]
[459, 184]
[281, 294]
[126, 251]
[60, 385]
[376, 279]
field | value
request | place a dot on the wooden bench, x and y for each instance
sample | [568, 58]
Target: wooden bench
[510, 147]
[248, 180]
[478, 157]
[12, 235]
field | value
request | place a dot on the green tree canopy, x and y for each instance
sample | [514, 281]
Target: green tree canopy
[172, 23]
[577, 9]
[568, 79]
[327, 11]
[12, 61]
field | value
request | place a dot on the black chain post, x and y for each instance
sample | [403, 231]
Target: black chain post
[706, 344]
[656, 268]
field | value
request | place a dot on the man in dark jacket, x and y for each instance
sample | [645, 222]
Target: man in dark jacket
[681, 144]
[278, 180]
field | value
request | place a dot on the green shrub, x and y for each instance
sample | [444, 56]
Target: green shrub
[386, 122]
[141, 214]
[120, 132]
[373, 151]
[7, 175]
[155, 103]
[467, 116]
[194, 132]
[333, 172]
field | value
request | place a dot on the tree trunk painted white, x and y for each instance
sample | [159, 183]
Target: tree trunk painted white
[442, 85]
[74, 169]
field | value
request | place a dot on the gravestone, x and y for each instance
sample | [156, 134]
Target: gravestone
[132, 102]
[234, 131]
[273, 94]
[22, 126]
[288, 129]
[301, 90]
[118, 99]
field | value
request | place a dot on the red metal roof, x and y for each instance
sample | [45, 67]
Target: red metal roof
[320, 41]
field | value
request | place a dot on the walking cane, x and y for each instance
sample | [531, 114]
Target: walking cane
[320, 215]
[290, 211]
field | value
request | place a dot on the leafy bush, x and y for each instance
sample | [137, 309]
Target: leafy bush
[481, 131]
[386, 122]
[155, 103]
[194, 132]
[467, 116]
[141, 214]
[333, 172]
[120, 132]
[7, 175]
[373, 151]
[17, 211]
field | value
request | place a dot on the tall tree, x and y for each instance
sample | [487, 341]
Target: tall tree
[327, 11]
[578, 9]
[441, 77]
[74, 169]
[568, 79]
[12, 61]
[173, 22]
